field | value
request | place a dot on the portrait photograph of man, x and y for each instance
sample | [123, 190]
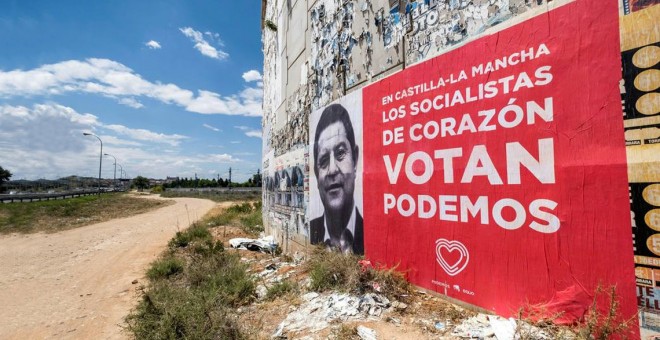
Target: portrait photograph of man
[336, 181]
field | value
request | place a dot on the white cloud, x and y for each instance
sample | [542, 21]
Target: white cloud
[252, 75]
[53, 127]
[112, 79]
[112, 140]
[202, 45]
[235, 142]
[210, 127]
[216, 37]
[128, 101]
[249, 131]
[46, 141]
[253, 133]
[223, 158]
[146, 135]
[153, 44]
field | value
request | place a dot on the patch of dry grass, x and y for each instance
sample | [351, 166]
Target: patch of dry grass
[57, 215]
[331, 270]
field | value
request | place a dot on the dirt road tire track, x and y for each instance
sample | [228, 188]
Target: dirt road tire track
[77, 284]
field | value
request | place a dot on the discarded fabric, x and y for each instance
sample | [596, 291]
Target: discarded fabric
[265, 244]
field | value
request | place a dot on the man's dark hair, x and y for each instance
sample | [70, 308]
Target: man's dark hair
[332, 114]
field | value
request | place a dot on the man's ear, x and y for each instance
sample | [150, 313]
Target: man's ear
[356, 156]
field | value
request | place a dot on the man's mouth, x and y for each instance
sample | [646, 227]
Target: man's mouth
[333, 186]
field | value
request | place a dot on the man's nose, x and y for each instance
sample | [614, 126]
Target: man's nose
[332, 167]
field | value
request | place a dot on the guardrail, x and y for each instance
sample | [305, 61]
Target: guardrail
[11, 198]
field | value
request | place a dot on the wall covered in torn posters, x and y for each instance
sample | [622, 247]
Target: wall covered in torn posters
[316, 51]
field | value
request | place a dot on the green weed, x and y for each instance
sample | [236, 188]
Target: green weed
[331, 270]
[280, 289]
[195, 232]
[247, 216]
[192, 290]
[168, 311]
[164, 268]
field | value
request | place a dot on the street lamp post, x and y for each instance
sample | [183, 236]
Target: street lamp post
[121, 176]
[100, 156]
[114, 178]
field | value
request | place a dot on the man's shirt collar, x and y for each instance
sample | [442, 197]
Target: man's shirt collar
[350, 226]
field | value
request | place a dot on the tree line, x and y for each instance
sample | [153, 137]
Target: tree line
[254, 181]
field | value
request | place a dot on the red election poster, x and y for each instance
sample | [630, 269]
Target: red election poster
[496, 172]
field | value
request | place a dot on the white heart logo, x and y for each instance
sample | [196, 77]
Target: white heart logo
[451, 246]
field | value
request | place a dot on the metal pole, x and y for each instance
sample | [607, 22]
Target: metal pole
[121, 175]
[114, 179]
[100, 157]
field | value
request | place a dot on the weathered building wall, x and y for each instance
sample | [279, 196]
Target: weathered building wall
[316, 51]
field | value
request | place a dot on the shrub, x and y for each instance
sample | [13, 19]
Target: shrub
[240, 208]
[209, 248]
[345, 332]
[333, 270]
[195, 232]
[196, 304]
[247, 216]
[171, 312]
[605, 324]
[281, 288]
[164, 268]
[224, 277]
[193, 299]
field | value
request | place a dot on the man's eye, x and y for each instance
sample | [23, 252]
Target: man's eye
[340, 154]
[323, 162]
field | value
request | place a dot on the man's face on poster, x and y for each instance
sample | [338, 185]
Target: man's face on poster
[336, 168]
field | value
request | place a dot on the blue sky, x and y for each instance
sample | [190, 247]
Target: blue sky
[172, 87]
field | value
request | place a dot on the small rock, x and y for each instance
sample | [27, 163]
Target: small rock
[399, 305]
[310, 296]
[393, 320]
[375, 311]
[366, 333]
[482, 318]
[261, 291]
[298, 257]
[134, 281]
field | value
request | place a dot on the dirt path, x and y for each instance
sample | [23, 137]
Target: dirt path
[76, 284]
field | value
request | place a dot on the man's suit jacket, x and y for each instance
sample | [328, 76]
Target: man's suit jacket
[317, 232]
